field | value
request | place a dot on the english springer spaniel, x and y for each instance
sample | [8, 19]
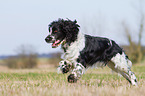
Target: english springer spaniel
[82, 51]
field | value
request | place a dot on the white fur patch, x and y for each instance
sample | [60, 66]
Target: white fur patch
[50, 30]
[121, 62]
[74, 49]
[110, 42]
[78, 70]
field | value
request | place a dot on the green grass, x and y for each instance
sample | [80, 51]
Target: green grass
[27, 76]
[99, 82]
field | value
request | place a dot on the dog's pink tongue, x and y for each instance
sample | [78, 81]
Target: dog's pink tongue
[55, 43]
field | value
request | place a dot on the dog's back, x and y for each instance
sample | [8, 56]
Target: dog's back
[98, 49]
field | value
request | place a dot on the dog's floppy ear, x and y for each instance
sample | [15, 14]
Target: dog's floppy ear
[71, 29]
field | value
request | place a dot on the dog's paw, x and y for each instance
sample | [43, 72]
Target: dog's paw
[65, 69]
[72, 79]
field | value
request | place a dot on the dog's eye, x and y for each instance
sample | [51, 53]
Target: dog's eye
[55, 31]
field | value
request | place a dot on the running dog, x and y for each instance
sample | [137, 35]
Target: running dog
[82, 51]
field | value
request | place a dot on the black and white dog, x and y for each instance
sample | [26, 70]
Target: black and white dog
[83, 51]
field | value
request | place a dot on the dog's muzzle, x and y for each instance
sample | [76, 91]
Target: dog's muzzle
[49, 39]
[55, 42]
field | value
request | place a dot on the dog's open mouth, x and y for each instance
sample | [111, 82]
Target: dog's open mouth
[57, 43]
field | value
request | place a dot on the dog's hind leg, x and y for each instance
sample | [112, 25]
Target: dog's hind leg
[76, 73]
[112, 66]
[122, 65]
[129, 75]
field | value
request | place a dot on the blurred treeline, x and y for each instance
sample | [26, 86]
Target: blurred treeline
[26, 58]
[22, 61]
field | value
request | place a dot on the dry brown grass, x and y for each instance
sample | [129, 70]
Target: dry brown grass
[54, 88]
[30, 88]
[46, 82]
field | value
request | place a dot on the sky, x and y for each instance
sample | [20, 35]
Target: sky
[25, 22]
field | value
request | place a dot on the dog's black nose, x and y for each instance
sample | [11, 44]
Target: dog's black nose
[48, 39]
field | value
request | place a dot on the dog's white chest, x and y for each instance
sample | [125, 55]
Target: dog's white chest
[73, 51]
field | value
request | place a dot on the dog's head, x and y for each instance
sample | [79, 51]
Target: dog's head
[62, 31]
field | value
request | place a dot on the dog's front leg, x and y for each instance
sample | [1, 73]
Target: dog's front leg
[76, 73]
[64, 66]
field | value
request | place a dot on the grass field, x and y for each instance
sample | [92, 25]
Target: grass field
[46, 82]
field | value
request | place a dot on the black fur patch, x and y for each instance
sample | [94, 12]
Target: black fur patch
[98, 49]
